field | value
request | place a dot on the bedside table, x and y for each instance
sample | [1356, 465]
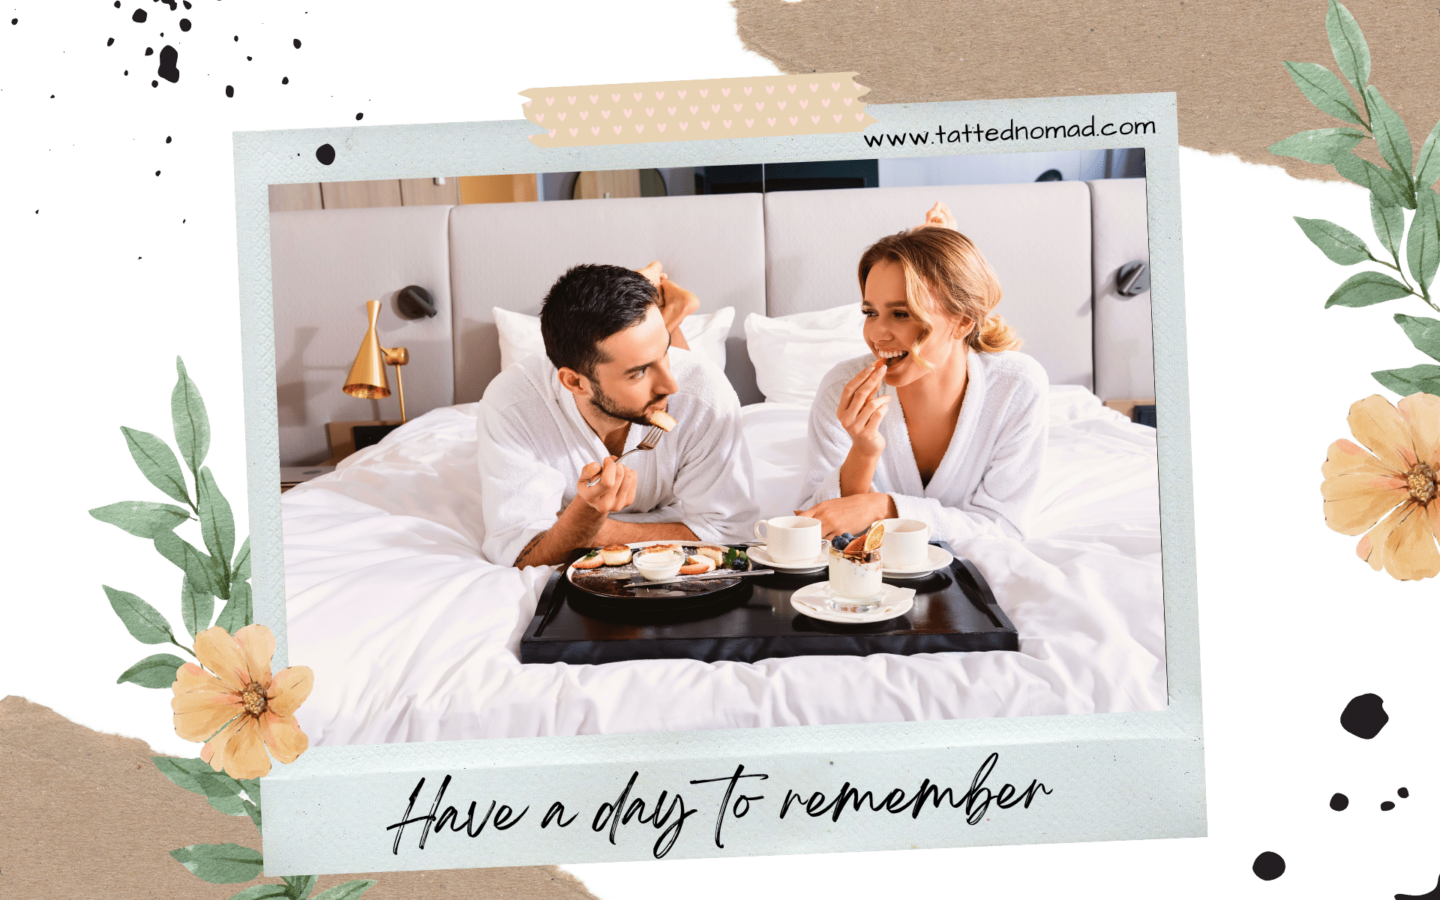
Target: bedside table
[1129, 408]
[341, 436]
[293, 475]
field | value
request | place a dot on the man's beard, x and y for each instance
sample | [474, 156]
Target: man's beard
[602, 402]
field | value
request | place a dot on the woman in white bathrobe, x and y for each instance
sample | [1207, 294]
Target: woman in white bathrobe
[946, 423]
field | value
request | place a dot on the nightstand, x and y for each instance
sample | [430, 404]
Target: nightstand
[343, 438]
[293, 475]
[1134, 410]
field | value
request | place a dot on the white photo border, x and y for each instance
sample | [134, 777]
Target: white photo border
[1110, 776]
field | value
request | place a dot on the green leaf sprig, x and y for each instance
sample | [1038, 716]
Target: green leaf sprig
[1406, 182]
[222, 573]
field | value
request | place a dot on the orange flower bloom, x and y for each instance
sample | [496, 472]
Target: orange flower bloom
[236, 707]
[1399, 479]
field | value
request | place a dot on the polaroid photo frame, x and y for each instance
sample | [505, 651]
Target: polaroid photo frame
[736, 792]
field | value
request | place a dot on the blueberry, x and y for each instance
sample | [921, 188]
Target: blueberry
[843, 541]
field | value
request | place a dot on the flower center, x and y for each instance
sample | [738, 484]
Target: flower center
[1422, 483]
[254, 699]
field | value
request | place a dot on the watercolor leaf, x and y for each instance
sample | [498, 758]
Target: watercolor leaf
[1325, 90]
[196, 776]
[156, 671]
[1390, 132]
[1367, 289]
[197, 607]
[1389, 188]
[264, 892]
[192, 425]
[141, 517]
[252, 804]
[157, 463]
[1321, 145]
[301, 885]
[217, 522]
[1340, 244]
[1422, 250]
[240, 571]
[1423, 333]
[347, 891]
[142, 620]
[1389, 225]
[1347, 42]
[1414, 380]
[196, 565]
[1427, 166]
[220, 863]
[240, 611]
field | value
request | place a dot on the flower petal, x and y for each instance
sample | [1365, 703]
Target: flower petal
[218, 652]
[283, 736]
[199, 715]
[1378, 425]
[258, 644]
[245, 755]
[202, 703]
[1354, 503]
[1372, 546]
[1348, 458]
[214, 750]
[289, 689]
[1410, 552]
[1422, 413]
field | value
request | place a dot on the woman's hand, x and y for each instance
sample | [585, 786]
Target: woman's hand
[939, 217]
[860, 411]
[851, 514]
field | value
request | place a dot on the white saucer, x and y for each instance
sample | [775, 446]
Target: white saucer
[811, 600]
[761, 555]
[938, 559]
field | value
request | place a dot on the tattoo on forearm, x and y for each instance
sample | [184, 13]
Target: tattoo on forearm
[528, 547]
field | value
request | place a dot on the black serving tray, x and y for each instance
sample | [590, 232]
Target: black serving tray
[954, 611]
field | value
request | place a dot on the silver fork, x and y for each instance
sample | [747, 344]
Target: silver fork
[652, 438]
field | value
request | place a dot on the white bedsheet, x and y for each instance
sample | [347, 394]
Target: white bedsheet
[415, 637]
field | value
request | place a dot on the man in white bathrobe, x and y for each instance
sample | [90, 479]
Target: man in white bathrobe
[549, 425]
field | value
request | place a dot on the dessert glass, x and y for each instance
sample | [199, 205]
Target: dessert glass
[855, 584]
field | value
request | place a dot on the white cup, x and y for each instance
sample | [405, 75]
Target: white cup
[790, 538]
[907, 543]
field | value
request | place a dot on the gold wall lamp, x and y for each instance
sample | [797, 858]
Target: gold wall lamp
[367, 376]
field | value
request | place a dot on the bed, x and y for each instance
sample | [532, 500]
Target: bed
[385, 581]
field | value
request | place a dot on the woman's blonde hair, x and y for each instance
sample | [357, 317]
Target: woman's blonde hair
[946, 265]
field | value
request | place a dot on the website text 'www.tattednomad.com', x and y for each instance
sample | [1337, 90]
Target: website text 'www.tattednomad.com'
[1012, 132]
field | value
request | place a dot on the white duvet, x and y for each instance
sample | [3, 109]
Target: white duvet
[415, 637]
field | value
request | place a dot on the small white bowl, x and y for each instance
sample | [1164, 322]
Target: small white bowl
[658, 565]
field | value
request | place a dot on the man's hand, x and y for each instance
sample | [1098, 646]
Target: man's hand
[613, 492]
[860, 411]
[851, 514]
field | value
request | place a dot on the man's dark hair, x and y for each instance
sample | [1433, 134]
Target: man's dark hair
[585, 306]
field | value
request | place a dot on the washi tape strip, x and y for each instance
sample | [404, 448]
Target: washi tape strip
[769, 106]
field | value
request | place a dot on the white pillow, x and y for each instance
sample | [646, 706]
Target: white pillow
[520, 335]
[791, 354]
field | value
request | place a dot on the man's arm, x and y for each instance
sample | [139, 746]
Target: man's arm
[583, 520]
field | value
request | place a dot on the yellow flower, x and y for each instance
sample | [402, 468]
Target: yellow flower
[239, 699]
[1399, 479]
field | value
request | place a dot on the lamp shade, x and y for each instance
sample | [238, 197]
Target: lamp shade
[367, 376]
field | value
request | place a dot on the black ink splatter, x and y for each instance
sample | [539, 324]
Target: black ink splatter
[186, 3]
[117, 4]
[14, 21]
[1339, 801]
[285, 80]
[1364, 716]
[184, 24]
[229, 90]
[167, 138]
[359, 116]
[149, 51]
[1403, 792]
[1387, 806]
[139, 16]
[168, 57]
[154, 83]
[169, 3]
[325, 153]
[1268, 866]
[157, 173]
[110, 43]
[237, 38]
[297, 43]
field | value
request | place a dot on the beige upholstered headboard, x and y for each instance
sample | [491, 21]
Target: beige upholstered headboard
[1054, 245]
